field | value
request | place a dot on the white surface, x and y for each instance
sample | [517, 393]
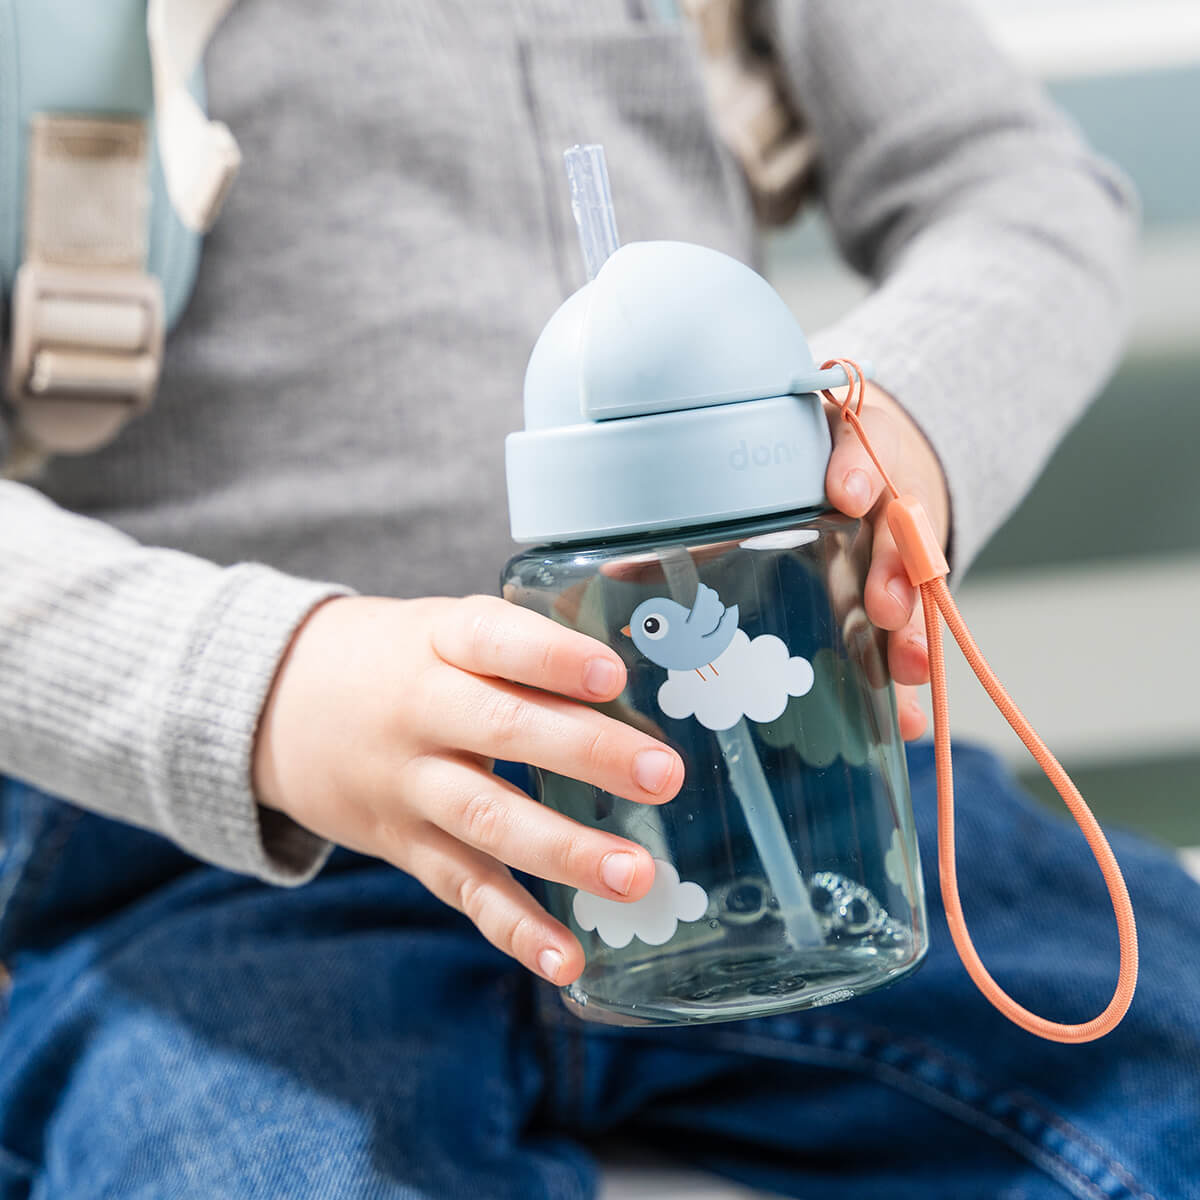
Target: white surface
[1191, 861]
[1061, 39]
[670, 1183]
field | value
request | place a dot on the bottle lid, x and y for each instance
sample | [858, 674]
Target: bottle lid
[674, 389]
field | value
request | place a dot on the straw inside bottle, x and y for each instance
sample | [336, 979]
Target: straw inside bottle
[749, 782]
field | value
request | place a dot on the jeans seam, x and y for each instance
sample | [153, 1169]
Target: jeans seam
[833, 1051]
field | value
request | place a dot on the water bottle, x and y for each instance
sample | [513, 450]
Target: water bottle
[669, 482]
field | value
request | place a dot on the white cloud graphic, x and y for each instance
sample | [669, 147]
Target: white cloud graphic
[751, 679]
[895, 864]
[653, 918]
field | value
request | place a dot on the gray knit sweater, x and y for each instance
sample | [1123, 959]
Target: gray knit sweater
[336, 396]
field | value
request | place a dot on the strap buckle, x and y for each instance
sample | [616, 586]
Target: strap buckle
[87, 349]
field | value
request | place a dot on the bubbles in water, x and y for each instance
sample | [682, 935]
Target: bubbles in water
[833, 997]
[822, 894]
[780, 986]
[860, 912]
[745, 898]
[846, 908]
[743, 901]
[743, 966]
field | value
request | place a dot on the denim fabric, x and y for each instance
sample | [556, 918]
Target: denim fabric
[173, 1030]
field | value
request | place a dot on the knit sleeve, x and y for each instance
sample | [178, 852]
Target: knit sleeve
[132, 681]
[1000, 246]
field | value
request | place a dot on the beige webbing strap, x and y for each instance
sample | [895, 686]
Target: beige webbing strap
[753, 114]
[87, 318]
[87, 321]
[200, 158]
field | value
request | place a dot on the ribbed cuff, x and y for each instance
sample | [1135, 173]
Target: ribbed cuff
[202, 785]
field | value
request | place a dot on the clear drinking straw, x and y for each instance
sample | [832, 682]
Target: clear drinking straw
[591, 202]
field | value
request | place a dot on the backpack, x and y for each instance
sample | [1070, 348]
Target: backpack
[113, 176]
[116, 173]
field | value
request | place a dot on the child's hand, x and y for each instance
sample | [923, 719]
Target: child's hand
[380, 732]
[854, 486]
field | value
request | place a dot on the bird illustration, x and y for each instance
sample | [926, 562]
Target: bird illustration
[683, 639]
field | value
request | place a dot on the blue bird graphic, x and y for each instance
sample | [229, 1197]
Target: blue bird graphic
[683, 639]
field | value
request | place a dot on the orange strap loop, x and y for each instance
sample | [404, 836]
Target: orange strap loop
[926, 565]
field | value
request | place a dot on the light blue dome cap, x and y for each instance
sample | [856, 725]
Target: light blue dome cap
[675, 389]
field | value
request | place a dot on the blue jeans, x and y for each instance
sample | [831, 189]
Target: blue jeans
[173, 1030]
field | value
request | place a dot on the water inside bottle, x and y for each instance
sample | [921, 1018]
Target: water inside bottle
[798, 829]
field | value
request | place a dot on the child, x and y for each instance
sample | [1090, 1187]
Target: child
[334, 405]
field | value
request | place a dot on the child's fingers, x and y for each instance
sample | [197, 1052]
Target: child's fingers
[889, 598]
[495, 719]
[490, 815]
[892, 603]
[852, 482]
[908, 652]
[500, 908]
[909, 712]
[489, 636]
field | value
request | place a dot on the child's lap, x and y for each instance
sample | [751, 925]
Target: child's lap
[213, 1036]
[219, 1037]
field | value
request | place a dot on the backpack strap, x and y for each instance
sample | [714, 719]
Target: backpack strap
[87, 319]
[87, 314]
[200, 158]
[753, 113]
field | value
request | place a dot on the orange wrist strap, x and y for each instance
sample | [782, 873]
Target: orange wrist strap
[926, 565]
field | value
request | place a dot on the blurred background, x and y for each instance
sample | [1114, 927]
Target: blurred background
[1087, 603]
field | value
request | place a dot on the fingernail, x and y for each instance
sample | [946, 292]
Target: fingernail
[858, 487]
[600, 676]
[899, 591]
[652, 769]
[918, 640]
[617, 870]
[549, 962]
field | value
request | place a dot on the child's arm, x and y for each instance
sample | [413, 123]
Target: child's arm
[1000, 244]
[1000, 247]
[131, 680]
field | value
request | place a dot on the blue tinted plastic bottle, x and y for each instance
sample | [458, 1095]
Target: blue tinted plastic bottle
[672, 467]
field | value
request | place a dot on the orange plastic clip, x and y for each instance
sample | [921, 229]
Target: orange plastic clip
[919, 548]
